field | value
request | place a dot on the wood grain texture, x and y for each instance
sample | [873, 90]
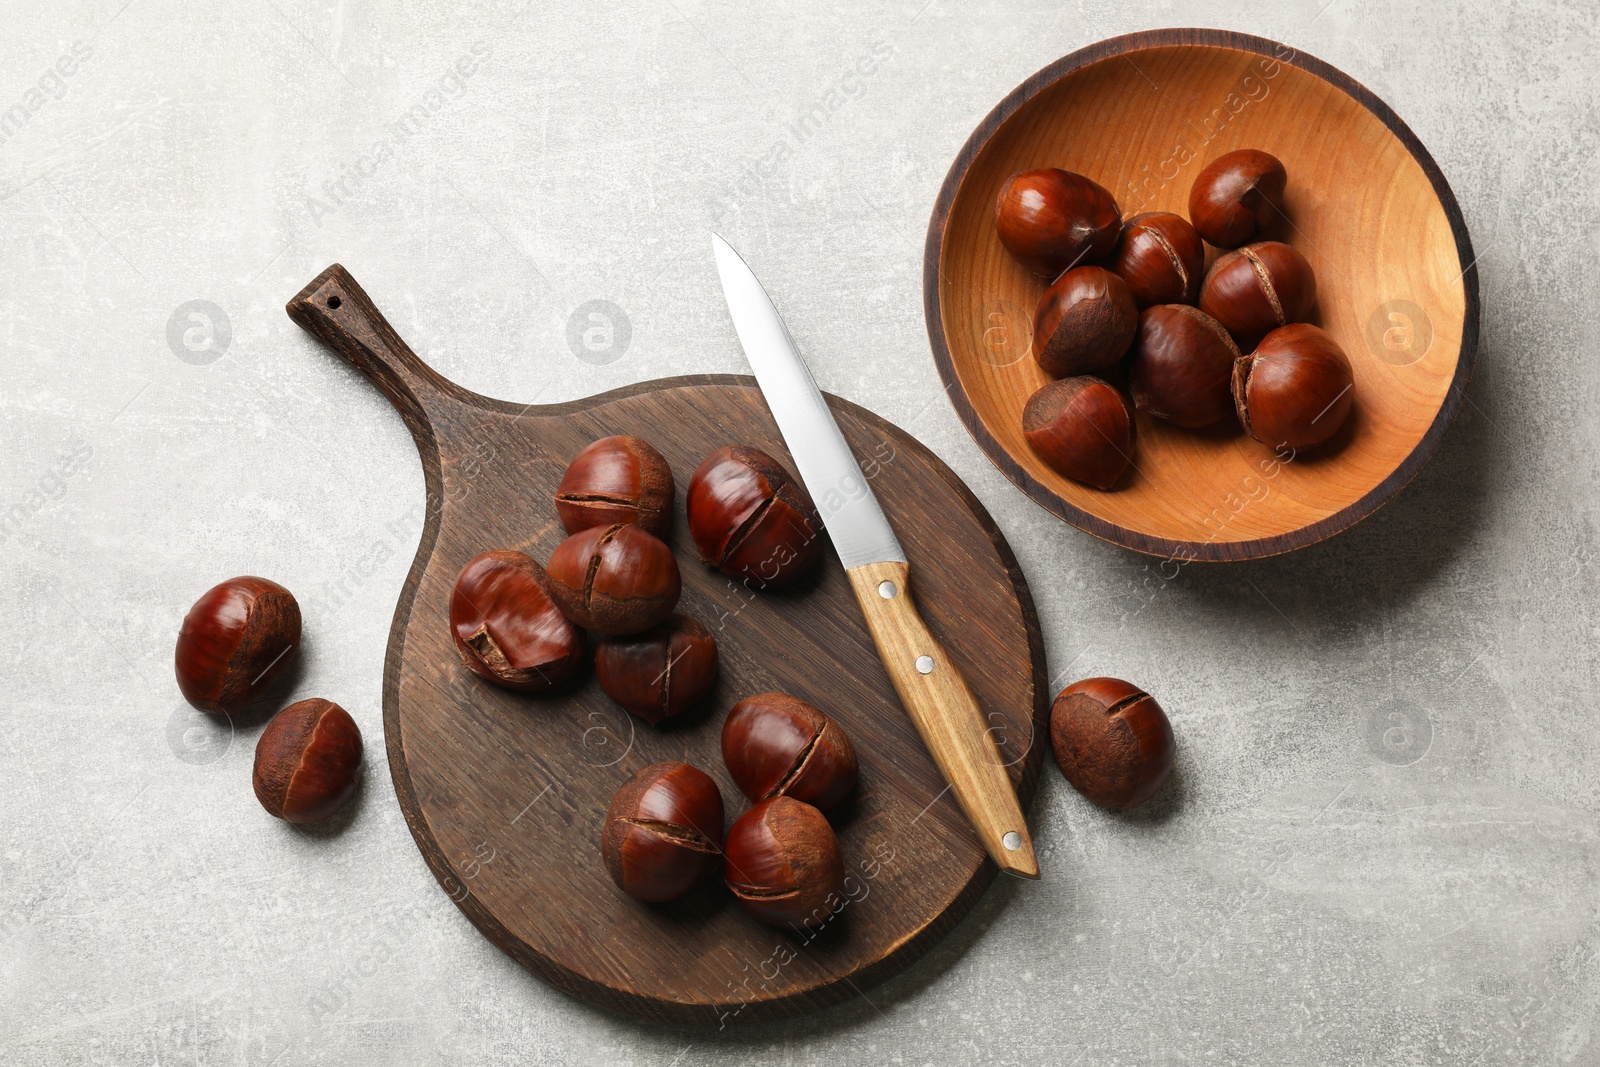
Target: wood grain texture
[506, 793]
[1366, 204]
[947, 715]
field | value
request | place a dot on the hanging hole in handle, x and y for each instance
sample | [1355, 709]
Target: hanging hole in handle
[334, 301]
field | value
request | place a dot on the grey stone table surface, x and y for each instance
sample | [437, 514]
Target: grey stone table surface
[1382, 844]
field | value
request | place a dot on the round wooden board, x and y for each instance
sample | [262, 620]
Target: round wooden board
[506, 793]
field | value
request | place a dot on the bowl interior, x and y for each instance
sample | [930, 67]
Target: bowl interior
[1359, 206]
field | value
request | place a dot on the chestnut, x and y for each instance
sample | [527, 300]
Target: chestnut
[751, 519]
[663, 832]
[1258, 288]
[661, 672]
[1237, 197]
[1162, 259]
[1084, 323]
[614, 579]
[782, 863]
[778, 745]
[1083, 428]
[1112, 741]
[506, 626]
[235, 642]
[308, 761]
[616, 479]
[1182, 366]
[1295, 389]
[1053, 219]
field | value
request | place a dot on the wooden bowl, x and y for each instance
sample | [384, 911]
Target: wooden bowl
[1366, 204]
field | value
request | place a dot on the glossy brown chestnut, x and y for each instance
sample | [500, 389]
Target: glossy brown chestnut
[1162, 259]
[663, 832]
[1053, 219]
[1237, 197]
[1256, 289]
[614, 579]
[1181, 369]
[778, 745]
[1083, 428]
[616, 479]
[783, 865]
[235, 642]
[1296, 389]
[751, 519]
[1112, 741]
[308, 761]
[507, 627]
[661, 672]
[1085, 322]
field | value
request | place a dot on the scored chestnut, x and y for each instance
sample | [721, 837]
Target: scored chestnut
[663, 832]
[1181, 369]
[751, 519]
[616, 479]
[1084, 323]
[661, 672]
[614, 579]
[1296, 389]
[1161, 258]
[1255, 289]
[308, 761]
[1083, 428]
[1112, 741]
[778, 745]
[507, 627]
[1237, 197]
[1053, 219]
[235, 643]
[782, 863]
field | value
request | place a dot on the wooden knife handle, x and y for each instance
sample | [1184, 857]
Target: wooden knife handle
[946, 713]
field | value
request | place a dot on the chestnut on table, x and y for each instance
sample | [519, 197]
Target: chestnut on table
[661, 672]
[663, 832]
[614, 579]
[236, 641]
[506, 626]
[783, 864]
[1112, 741]
[308, 761]
[778, 745]
[617, 479]
[753, 520]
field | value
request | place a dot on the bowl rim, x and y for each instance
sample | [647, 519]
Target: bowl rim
[1169, 548]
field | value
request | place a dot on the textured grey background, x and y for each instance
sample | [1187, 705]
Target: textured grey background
[1382, 846]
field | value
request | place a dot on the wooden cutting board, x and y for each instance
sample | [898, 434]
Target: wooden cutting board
[506, 792]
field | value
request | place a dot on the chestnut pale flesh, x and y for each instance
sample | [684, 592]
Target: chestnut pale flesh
[1112, 741]
[507, 627]
[308, 761]
[236, 641]
[778, 745]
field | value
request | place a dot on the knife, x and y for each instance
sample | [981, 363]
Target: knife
[933, 691]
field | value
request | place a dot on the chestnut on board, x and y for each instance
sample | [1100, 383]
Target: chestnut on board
[1181, 369]
[1083, 428]
[663, 832]
[506, 626]
[1112, 741]
[661, 672]
[308, 761]
[1053, 219]
[782, 863]
[236, 641]
[751, 519]
[775, 744]
[1256, 289]
[616, 479]
[1085, 322]
[614, 579]
[1296, 389]
[1237, 197]
[1161, 258]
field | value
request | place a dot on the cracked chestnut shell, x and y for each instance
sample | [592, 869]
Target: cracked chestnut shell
[614, 579]
[661, 672]
[506, 626]
[1161, 258]
[236, 641]
[1052, 219]
[1083, 428]
[1112, 741]
[778, 745]
[1296, 389]
[1181, 369]
[663, 832]
[751, 519]
[781, 862]
[1238, 197]
[1254, 290]
[1084, 323]
[616, 479]
[308, 761]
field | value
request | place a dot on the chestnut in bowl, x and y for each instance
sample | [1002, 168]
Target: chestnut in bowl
[616, 479]
[663, 832]
[1052, 219]
[1112, 741]
[752, 520]
[778, 745]
[781, 861]
[308, 761]
[1085, 322]
[1083, 428]
[661, 672]
[1255, 289]
[614, 579]
[507, 627]
[1238, 197]
[1296, 389]
[235, 643]
[1181, 368]
[1161, 258]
